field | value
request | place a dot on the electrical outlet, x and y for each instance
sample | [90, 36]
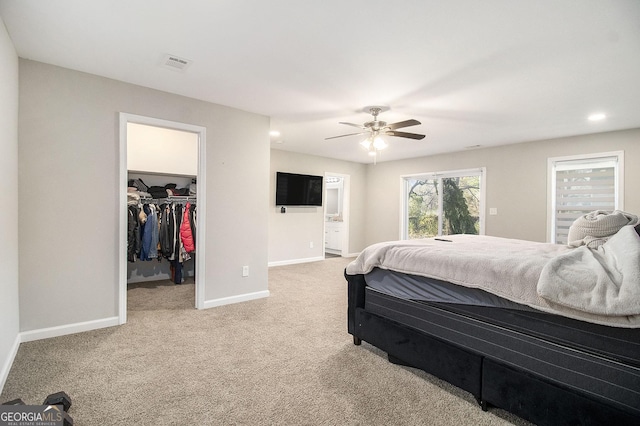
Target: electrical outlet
[493, 211]
[245, 271]
[310, 244]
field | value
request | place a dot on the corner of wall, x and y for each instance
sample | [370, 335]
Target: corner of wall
[9, 285]
[8, 362]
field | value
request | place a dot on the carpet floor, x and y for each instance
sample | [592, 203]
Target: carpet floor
[286, 359]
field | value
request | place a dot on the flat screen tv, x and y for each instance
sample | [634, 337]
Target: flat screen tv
[298, 190]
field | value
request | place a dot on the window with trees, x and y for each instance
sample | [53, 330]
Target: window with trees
[443, 204]
[581, 184]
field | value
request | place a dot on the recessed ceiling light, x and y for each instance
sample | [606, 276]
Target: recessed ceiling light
[274, 133]
[597, 117]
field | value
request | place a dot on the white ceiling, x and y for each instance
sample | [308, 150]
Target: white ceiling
[487, 72]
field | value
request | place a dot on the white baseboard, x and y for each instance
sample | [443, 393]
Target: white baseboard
[235, 299]
[295, 261]
[6, 367]
[62, 330]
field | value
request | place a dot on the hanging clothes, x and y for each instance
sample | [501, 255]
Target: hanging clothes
[133, 233]
[176, 271]
[149, 234]
[192, 220]
[167, 231]
[177, 213]
[153, 218]
[186, 234]
[145, 234]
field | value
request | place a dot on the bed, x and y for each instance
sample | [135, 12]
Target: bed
[470, 310]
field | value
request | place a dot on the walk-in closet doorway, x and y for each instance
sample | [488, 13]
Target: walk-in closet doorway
[200, 132]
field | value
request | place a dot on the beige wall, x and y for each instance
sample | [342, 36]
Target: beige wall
[290, 233]
[68, 192]
[516, 182]
[9, 316]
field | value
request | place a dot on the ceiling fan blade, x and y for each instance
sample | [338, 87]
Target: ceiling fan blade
[342, 136]
[405, 123]
[359, 126]
[405, 135]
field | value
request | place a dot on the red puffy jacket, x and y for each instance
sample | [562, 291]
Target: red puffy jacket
[185, 231]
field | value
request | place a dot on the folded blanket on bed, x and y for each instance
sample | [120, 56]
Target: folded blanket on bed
[594, 228]
[604, 281]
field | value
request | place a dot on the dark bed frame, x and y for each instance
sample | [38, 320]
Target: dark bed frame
[516, 368]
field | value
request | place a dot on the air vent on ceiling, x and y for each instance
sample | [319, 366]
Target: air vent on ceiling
[176, 63]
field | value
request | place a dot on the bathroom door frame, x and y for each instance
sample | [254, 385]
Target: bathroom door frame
[126, 118]
[346, 211]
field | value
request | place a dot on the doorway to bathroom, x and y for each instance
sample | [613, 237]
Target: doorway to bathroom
[336, 214]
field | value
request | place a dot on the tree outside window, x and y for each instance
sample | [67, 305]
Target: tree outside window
[442, 205]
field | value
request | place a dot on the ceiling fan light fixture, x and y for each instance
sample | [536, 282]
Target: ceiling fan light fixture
[379, 143]
[366, 144]
[376, 129]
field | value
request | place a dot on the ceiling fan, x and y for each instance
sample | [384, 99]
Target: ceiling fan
[376, 128]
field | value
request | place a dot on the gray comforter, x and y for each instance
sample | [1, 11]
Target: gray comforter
[508, 268]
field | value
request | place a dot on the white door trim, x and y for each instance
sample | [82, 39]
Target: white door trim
[200, 232]
[346, 199]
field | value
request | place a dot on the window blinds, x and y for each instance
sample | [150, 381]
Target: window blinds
[582, 186]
